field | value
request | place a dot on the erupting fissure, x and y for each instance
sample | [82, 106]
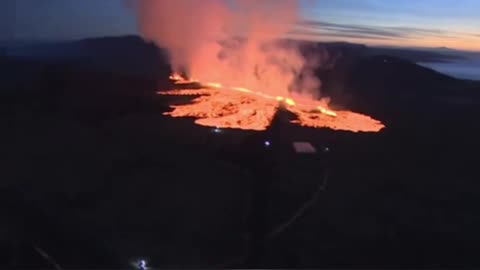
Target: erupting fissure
[243, 60]
[241, 108]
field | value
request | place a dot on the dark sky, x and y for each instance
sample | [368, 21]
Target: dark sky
[426, 23]
[7, 19]
[69, 19]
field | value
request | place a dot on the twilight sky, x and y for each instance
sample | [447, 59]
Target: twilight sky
[414, 23]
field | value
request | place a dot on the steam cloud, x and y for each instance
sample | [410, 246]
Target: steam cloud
[233, 42]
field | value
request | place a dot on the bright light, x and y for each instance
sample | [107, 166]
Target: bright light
[140, 265]
[326, 111]
[290, 102]
[214, 85]
[241, 89]
[267, 143]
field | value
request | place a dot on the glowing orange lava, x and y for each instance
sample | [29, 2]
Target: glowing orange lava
[241, 108]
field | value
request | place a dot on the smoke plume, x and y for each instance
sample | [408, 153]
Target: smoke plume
[232, 42]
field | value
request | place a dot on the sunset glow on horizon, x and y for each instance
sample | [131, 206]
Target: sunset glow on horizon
[464, 43]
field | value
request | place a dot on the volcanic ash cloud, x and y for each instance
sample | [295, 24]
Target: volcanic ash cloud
[232, 42]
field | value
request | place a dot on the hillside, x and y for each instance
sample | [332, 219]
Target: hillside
[96, 176]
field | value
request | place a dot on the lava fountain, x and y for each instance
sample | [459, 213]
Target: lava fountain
[222, 106]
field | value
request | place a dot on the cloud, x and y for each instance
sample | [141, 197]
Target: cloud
[206, 45]
[320, 34]
[328, 29]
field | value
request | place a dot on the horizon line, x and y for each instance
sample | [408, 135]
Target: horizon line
[60, 40]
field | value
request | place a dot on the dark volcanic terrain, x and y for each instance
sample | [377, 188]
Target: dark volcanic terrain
[95, 176]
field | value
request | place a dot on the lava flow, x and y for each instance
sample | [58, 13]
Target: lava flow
[240, 108]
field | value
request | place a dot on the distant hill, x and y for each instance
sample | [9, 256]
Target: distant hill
[350, 69]
[398, 74]
[132, 54]
[413, 55]
[126, 55]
